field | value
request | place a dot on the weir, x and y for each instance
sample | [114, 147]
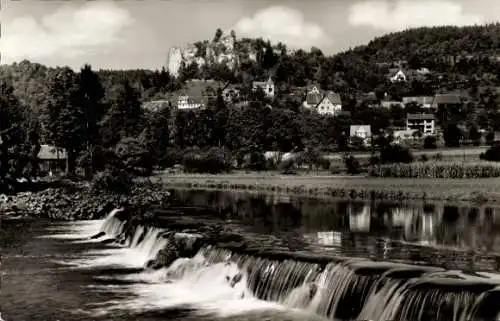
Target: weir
[343, 289]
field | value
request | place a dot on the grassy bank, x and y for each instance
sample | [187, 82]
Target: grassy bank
[480, 190]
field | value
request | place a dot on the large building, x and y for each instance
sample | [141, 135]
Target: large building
[424, 123]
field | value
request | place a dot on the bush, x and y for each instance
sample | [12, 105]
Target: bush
[213, 161]
[490, 138]
[352, 165]
[395, 154]
[134, 157]
[492, 154]
[257, 161]
[116, 180]
[424, 158]
[430, 142]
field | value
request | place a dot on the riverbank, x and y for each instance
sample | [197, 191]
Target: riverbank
[78, 201]
[346, 187]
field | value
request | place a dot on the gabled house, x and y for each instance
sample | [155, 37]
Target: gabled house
[197, 94]
[267, 86]
[397, 75]
[424, 123]
[52, 160]
[447, 105]
[361, 131]
[325, 103]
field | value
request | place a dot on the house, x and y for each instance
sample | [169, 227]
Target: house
[397, 75]
[197, 94]
[156, 105]
[421, 101]
[424, 123]
[52, 160]
[267, 86]
[447, 105]
[325, 103]
[362, 131]
[231, 93]
[391, 103]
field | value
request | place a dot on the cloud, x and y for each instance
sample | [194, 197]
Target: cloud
[70, 31]
[279, 23]
[402, 14]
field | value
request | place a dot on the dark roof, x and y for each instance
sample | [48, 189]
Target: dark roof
[333, 97]
[420, 116]
[199, 91]
[313, 98]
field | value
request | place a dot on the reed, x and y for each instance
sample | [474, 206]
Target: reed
[480, 169]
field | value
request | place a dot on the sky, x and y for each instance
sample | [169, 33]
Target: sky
[132, 34]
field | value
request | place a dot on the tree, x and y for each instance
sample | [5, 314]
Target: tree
[218, 35]
[11, 138]
[64, 117]
[125, 116]
[91, 95]
[452, 135]
[475, 135]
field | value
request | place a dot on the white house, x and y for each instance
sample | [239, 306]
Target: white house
[361, 131]
[266, 86]
[399, 76]
[425, 123]
[325, 103]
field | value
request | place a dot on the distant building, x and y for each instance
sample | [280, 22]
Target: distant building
[325, 103]
[424, 123]
[197, 94]
[362, 131]
[391, 103]
[52, 160]
[156, 105]
[447, 105]
[422, 101]
[267, 86]
[397, 75]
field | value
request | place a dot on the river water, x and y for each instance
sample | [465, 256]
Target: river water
[53, 271]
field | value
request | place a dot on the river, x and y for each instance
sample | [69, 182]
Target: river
[52, 270]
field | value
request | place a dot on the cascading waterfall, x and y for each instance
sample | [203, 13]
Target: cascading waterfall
[346, 290]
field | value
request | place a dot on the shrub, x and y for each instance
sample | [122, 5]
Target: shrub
[430, 142]
[215, 160]
[257, 161]
[490, 138]
[492, 154]
[288, 166]
[352, 165]
[395, 154]
[116, 180]
[134, 157]
[424, 158]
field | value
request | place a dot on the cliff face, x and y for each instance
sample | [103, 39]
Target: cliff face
[226, 50]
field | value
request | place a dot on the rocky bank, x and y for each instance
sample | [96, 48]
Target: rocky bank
[78, 201]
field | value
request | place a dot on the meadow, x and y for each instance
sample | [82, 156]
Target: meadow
[351, 187]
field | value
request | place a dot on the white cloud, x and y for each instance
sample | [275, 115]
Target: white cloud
[402, 14]
[279, 23]
[68, 32]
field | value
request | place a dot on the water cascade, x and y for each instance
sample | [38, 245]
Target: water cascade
[349, 289]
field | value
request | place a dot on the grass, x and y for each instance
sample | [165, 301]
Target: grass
[357, 187]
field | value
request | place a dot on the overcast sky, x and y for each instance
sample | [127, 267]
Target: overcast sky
[137, 34]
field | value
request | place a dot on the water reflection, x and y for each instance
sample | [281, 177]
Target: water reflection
[438, 233]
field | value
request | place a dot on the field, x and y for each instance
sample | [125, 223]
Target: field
[480, 190]
[463, 154]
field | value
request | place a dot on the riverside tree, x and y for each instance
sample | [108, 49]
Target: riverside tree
[64, 115]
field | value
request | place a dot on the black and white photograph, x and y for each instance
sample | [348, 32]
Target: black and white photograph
[250, 160]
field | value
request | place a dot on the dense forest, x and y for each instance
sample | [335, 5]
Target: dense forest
[98, 116]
